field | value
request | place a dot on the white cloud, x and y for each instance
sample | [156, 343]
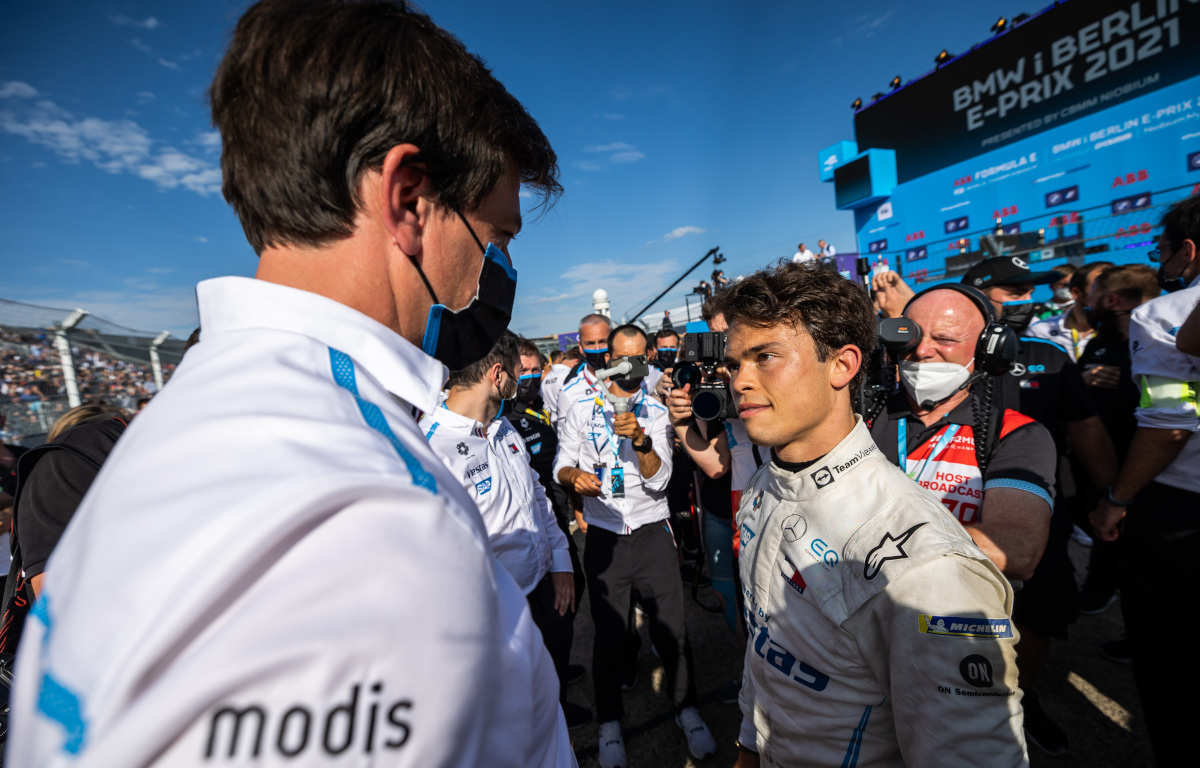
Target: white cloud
[144, 97]
[863, 27]
[679, 232]
[588, 165]
[113, 146]
[632, 156]
[617, 146]
[147, 23]
[200, 240]
[168, 64]
[209, 139]
[613, 116]
[136, 43]
[619, 153]
[15, 89]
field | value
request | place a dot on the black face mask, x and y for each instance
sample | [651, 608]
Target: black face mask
[1169, 284]
[629, 385]
[529, 389]
[595, 358]
[665, 358]
[464, 337]
[1017, 314]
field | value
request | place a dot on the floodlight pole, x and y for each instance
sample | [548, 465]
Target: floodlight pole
[155, 362]
[64, 355]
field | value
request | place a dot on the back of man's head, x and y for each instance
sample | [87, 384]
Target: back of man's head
[1082, 277]
[506, 352]
[1137, 283]
[311, 96]
[833, 311]
[1182, 222]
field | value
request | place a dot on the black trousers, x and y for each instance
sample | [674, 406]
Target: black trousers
[1161, 605]
[558, 632]
[615, 565]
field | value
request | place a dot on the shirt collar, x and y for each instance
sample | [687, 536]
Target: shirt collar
[241, 303]
[460, 423]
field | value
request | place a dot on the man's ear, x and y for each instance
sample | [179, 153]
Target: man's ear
[405, 198]
[845, 365]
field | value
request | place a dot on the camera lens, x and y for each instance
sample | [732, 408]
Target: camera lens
[685, 374]
[708, 404]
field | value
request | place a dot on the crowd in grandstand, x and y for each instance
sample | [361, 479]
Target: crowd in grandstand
[314, 542]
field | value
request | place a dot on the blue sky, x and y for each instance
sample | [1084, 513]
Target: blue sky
[679, 127]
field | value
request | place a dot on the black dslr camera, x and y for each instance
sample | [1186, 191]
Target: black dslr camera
[702, 353]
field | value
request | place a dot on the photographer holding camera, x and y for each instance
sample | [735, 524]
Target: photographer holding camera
[880, 630]
[615, 451]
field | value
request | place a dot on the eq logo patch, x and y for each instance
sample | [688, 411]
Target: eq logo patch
[976, 670]
[960, 626]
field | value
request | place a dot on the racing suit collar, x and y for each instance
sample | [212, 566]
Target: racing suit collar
[792, 466]
[830, 470]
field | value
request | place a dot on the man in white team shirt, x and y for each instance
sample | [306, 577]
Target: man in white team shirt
[620, 463]
[846, 562]
[488, 457]
[273, 566]
[1160, 486]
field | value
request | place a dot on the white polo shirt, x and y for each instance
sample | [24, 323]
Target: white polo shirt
[1055, 329]
[1168, 379]
[585, 438]
[583, 384]
[273, 567]
[492, 464]
[552, 384]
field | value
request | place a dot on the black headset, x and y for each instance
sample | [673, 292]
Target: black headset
[996, 350]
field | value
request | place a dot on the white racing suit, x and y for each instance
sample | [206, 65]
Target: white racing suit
[879, 633]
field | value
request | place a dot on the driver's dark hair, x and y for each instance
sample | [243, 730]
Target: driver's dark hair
[665, 334]
[831, 309]
[506, 352]
[312, 94]
[1182, 222]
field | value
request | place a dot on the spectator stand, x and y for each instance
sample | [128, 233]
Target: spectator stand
[54, 359]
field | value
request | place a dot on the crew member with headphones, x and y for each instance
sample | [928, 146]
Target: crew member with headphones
[992, 467]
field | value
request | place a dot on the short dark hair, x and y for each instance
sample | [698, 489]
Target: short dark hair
[1135, 282]
[573, 354]
[312, 94]
[556, 355]
[831, 309]
[708, 309]
[1182, 222]
[506, 352]
[629, 329]
[664, 333]
[1079, 280]
[527, 347]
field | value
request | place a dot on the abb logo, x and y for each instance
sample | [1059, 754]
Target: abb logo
[1068, 218]
[1134, 231]
[919, 235]
[960, 245]
[1129, 178]
[964, 180]
[1006, 211]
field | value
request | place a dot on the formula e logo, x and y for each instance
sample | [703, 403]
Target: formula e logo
[976, 670]
[483, 486]
[794, 528]
[462, 449]
[889, 548]
[822, 477]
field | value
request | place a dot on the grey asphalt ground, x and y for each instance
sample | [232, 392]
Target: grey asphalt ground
[1093, 699]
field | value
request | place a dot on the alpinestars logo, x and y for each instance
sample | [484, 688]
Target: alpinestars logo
[889, 548]
[462, 449]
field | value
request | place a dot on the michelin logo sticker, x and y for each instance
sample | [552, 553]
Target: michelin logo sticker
[960, 626]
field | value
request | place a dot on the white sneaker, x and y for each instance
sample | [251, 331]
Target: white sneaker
[700, 740]
[612, 745]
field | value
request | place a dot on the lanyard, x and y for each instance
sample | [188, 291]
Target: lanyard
[612, 439]
[944, 437]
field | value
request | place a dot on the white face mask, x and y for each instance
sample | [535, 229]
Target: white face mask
[931, 383]
[1063, 295]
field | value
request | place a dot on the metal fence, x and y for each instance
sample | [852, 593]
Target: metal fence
[46, 349]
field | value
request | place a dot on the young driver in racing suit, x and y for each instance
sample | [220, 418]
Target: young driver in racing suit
[879, 629]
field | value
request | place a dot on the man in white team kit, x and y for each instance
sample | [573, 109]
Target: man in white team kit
[273, 566]
[846, 563]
